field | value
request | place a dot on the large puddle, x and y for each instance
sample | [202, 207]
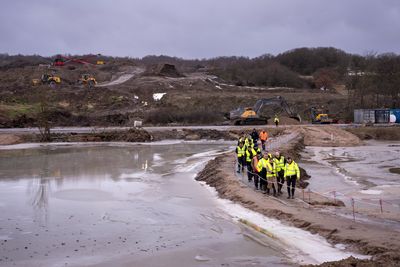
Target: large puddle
[133, 205]
[364, 173]
[105, 205]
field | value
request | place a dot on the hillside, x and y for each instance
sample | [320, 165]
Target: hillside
[164, 90]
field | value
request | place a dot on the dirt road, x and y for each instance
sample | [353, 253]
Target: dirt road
[122, 77]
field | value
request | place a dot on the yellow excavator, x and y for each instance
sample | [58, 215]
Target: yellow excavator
[87, 80]
[319, 117]
[51, 80]
[259, 115]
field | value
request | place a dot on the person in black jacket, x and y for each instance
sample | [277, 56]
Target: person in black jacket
[254, 136]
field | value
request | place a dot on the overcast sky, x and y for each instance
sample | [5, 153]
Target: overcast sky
[197, 29]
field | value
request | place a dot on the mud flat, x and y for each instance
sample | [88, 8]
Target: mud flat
[381, 241]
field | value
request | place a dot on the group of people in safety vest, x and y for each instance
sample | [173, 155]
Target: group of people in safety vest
[267, 170]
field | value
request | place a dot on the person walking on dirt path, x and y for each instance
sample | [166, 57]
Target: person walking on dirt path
[242, 137]
[254, 136]
[240, 151]
[254, 164]
[262, 172]
[292, 173]
[276, 120]
[263, 137]
[250, 153]
[271, 176]
[247, 141]
[280, 163]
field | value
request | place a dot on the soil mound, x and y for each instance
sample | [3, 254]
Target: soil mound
[166, 70]
[328, 136]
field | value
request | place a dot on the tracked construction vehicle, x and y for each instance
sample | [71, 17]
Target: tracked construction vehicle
[319, 117]
[262, 111]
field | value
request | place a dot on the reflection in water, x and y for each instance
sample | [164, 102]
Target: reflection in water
[40, 193]
[39, 190]
[82, 205]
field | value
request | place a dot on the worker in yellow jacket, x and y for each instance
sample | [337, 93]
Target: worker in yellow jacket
[271, 175]
[280, 162]
[292, 174]
[276, 120]
[262, 172]
[240, 152]
[249, 154]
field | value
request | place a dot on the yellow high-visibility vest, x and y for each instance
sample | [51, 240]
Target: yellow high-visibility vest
[250, 155]
[271, 169]
[240, 151]
[280, 163]
[292, 169]
[262, 163]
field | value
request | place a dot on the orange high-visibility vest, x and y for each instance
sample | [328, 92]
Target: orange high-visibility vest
[263, 136]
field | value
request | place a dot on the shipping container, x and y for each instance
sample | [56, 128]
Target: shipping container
[382, 115]
[364, 116]
[395, 115]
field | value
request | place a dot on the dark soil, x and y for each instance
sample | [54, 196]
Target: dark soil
[395, 170]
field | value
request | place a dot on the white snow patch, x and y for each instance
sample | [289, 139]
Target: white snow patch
[371, 192]
[158, 96]
[218, 87]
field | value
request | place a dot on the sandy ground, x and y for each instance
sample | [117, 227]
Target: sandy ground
[380, 241]
[328, 136]
[10, 139]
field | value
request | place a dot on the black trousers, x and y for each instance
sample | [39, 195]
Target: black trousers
[291, 184]
[249, 171]
[280, 178]
[241, 163]
[256, 180]
[263, 144]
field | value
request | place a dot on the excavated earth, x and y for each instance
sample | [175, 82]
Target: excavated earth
[378, 241]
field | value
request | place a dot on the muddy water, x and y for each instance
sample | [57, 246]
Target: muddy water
[363, 173]
[121, 205]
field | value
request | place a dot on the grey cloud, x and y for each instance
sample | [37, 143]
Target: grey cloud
[197, 29]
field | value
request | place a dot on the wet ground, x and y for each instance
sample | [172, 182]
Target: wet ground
[364, 173]
[121, 205]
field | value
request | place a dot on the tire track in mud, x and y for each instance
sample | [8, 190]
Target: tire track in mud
[124, 77]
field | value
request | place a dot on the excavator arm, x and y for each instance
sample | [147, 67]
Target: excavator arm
[277, 101]
[257, 115]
